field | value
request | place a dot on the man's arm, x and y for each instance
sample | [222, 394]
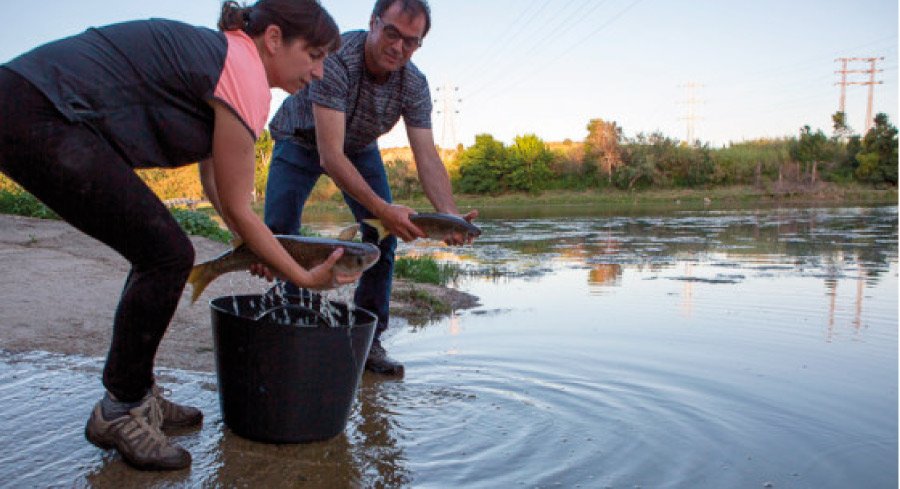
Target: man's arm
[432, 173]
[434, 177]
[330, 133]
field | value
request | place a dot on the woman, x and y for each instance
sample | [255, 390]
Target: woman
[78, 115]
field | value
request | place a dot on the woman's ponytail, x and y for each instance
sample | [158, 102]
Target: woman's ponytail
[304, 19]
[234, 17]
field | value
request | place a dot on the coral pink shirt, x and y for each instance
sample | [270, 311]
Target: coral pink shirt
[243, 86]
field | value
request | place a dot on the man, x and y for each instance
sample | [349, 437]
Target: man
[332, 127]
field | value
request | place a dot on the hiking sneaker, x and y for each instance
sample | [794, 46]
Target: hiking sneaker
[175, 415]
[137, 436]
[379, 362]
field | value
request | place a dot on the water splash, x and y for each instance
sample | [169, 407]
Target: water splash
[329, 306]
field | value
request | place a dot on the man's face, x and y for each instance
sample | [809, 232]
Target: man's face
[394, 37]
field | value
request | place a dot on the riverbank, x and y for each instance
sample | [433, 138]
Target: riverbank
[61, 287]
[822, 193]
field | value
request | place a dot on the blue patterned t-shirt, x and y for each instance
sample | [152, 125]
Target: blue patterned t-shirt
[371, 109]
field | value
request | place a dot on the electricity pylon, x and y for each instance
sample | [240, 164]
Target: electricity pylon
[871, 83]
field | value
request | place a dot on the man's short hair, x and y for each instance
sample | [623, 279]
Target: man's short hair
[412, 7]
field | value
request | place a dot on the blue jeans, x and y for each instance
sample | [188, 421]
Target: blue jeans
[293, 172]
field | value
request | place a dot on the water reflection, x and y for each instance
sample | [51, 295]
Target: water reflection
[602, 276]
[682, 349]
[366, 455]
[808, 236]
[847, 250]
[373, 433]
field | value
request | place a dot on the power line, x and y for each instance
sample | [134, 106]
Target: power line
[516, 27]
[567, 52]
[503, 71]
[502, 66]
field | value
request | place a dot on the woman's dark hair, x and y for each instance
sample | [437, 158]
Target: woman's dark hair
[412, 7]
[305, 19]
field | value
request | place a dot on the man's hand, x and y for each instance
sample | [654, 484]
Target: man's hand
[395, 219]
[458, 238]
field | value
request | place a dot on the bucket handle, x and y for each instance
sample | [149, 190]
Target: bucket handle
[304, 309]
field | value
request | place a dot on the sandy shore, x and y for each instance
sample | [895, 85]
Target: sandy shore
[59, 290]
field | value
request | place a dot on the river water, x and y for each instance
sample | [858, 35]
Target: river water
[620, 348]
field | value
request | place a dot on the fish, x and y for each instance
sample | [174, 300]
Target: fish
[308, 252]
[435, 225]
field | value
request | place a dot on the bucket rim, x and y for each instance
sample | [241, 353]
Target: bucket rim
[216, 305]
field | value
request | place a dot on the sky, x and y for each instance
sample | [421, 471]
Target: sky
[760, 69]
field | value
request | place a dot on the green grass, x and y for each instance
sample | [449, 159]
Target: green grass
[21, 203]
[744, 194]
[425, 270]
[200, 224]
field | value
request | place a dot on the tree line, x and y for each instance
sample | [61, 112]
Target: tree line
[608, 159]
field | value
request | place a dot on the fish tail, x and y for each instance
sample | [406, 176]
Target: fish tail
[200, 277]
[375, 223]
[348, 233]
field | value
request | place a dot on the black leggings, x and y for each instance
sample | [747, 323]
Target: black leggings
[75, 171]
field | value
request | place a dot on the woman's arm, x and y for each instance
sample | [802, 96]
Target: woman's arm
[231, 174]
[207, 180]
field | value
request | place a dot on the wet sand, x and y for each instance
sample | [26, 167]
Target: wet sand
[57, 299]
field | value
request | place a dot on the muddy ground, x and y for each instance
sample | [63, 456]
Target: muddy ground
[59, 289]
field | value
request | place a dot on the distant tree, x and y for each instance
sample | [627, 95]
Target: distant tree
[482, 166]
[854, 146]
[811, 149]
[402, 178]
[878, 155]
[841, 130]
[530, 164]
[603, 145]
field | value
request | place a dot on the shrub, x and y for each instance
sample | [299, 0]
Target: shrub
[200, 224]
[22, 203]
[425, 270]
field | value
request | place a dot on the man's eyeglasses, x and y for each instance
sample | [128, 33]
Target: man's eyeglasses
[392, 34]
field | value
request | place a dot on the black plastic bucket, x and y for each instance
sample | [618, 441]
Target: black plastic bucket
[284, 383]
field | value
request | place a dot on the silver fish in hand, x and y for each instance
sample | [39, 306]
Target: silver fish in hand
[308, 252]
[435, 225]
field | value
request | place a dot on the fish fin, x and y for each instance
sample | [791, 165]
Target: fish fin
[375, 223]
[199, 278]
[348, 233]
[235, 242]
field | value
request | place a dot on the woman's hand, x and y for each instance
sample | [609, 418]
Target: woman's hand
[320, 277]
[262, 271]
[324, 276]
